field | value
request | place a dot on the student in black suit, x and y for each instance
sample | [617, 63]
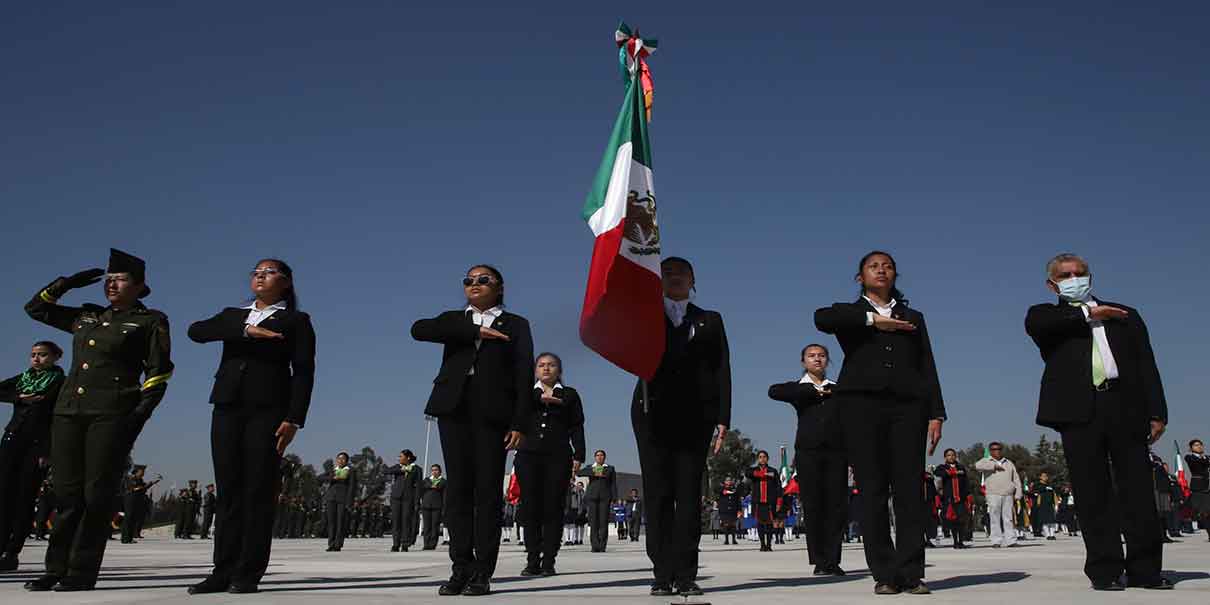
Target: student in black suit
[432, 503]
[765, 484]
[25, 446]
[687, 401]
[338, 502]
[209, 502]
[819, 457]
[634, 515]
[888, 394]
[261, 394]
[481, 399]
[553, 451]
[405, 501]
[1101, 390]
[602, 489]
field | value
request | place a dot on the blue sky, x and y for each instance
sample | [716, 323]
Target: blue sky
[383, 147]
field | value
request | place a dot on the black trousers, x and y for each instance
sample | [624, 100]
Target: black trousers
[885, 440]
[247, 478]
[20, 478]
[544, 481]
[633, 525]
[956, 526]
[600, 511]
[672, 458]
[132, 505]
[207, 522]
[1103, 454]
[474, 454]
[336, 514]
[404, 517]
[823, 476]
[432, 527]
[87, 453]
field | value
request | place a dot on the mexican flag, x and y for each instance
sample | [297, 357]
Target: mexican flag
[1180, 470]
[623, 314]
[785, 471]
[987, 453]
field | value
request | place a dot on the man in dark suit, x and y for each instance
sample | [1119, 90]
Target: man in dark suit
[819, 458]
[674, 416]
[601, 492]
[634, 515]
[208, 504]
[405, 499]
[1101, 390]
[342, 486]
[432, 503]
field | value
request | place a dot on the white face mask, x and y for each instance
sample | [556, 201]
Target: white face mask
[1075, 289]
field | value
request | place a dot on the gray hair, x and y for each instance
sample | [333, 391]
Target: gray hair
[1053, 264]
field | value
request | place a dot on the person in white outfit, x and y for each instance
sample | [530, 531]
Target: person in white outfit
[1003, 490]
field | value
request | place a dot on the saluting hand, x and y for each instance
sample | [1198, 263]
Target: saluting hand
[31, 398]
[551, 400]
[263, 333]
[888, 324]
[718, 442]
[487, 333]
[285, 434]
[87, 277]
[1107, 312]
[934, 434]
[513, 440]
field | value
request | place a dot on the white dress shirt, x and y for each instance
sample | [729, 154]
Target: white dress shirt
[883, 310]
[1098, 334]
[538, 385]
[258, 315]
[676, 310]
[484, 319]
[806, 379]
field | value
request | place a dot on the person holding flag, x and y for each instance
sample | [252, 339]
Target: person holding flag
[1198, 483]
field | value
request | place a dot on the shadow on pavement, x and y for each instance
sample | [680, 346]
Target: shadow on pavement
[1180, 576]
[1003, 577]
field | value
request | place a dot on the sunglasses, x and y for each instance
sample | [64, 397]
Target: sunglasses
[481, 280]
[264, 273]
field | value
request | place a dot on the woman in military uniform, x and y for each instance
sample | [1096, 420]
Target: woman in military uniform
[120, 368]
[26, 445]
[545, 462]
[261, 395]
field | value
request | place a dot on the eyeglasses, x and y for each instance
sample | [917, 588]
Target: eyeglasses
[479, 280]
[264, 273]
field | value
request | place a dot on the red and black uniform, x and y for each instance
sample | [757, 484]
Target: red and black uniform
[766, 489]
[956, 499]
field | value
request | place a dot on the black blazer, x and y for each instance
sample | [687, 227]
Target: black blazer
[604, 487]
[899, 364]
[551, 428]
[405, 485]
[432, 496]
[504, 371]
[818, 418]
[261, 372]
[1064, 339]
[341, 490]
[694, 377]
[30, 422]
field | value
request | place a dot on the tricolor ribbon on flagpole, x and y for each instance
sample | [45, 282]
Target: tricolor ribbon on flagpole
[633, 51]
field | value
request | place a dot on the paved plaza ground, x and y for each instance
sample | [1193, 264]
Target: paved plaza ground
[158, 570]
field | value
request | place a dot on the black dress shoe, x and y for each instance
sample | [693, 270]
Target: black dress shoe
[478, 586]
[885, 589]
[531, 571]
[42, 583]
[1112, 586]
[1160, 584]
[549, 572]
[243, 588]
[394, 549]
[835, 570]
[820, 571]
[209, 585]
[661, 589]
[688, 589]
[74, 584]
[453, 586]
[331, 549]
[919, 589]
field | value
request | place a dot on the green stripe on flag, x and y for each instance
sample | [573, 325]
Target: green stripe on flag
[630, 126]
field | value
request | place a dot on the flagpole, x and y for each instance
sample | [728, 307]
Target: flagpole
[428, 425]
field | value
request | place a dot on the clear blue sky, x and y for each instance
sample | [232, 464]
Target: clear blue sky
[382, 147]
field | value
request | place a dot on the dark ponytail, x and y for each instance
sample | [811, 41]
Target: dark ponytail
[895, 293]
[291, 295]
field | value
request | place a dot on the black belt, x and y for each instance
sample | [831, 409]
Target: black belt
[1110, 384]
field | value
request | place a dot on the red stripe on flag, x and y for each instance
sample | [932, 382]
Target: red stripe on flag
[623, 315]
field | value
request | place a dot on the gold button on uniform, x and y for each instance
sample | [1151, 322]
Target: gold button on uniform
[92, 343]
[80, 390]
[84, 366]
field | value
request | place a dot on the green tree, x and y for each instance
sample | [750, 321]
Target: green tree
[736, 456]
